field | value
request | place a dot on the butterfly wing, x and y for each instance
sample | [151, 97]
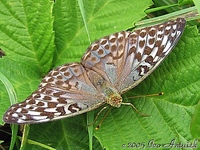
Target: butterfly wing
[127, 58]
[64, 92]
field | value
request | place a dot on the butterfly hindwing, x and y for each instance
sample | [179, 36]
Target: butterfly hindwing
[66, 91]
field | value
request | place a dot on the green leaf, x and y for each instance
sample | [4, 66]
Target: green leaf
[23, 37]
[12, 96]
[103, 18]
[184, 2]
[195, 124]
[197, 5]
[27, 43]
[27, 37]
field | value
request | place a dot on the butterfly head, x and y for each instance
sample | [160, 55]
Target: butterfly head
[115, 100]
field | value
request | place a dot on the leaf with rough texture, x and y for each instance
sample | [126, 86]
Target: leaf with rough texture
[28, 45]
[195, 124]
[103, 18]
[27, 39]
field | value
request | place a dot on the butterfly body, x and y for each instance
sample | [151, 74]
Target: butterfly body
[110, 94]
[110, 67]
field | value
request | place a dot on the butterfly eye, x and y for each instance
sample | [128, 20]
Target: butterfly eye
[100, 82]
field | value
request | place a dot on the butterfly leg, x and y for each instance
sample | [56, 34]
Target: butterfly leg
[98, 126]
[129, 104]
[98, 115]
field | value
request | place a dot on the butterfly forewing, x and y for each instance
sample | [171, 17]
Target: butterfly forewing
[127, 58]
[154, 44]
[107, 56]
[111, 66]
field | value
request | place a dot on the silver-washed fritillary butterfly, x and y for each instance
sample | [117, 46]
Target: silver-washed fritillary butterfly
[111, 66]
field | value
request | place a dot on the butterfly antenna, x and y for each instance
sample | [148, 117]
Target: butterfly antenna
[148, 95]
[138, 96]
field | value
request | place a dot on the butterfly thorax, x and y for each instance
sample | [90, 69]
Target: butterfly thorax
[111, 95]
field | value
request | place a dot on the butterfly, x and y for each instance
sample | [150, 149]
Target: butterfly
[110, 67]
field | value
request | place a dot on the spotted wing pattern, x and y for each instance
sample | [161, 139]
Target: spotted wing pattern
[127, 58]
[65, 91]
[110, 67]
